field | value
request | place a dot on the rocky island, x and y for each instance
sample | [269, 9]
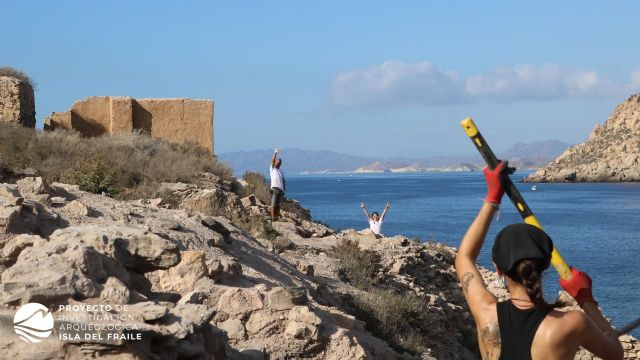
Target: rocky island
[611, 154]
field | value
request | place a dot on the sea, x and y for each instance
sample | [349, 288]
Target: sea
[594, 226]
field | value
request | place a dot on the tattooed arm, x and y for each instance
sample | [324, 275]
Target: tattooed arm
[474, 288]
[481, 302]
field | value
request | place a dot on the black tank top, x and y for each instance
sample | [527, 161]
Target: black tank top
[517, 329]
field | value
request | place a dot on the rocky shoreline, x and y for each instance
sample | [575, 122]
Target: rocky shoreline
[611, 154]
[198, 275]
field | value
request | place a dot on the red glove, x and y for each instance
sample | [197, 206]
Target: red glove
[494, 183]
[579, 286]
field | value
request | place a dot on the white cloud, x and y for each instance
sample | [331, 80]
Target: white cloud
[395, 83]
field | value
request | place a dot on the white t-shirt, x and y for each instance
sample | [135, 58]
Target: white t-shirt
[277, 178]
[375, 226]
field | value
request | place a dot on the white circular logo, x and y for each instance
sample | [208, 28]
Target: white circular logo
[33, 322]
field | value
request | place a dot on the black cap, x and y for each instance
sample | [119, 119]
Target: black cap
[520, 241]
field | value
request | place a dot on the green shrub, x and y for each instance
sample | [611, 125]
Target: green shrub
[94, 175]
[357, 267]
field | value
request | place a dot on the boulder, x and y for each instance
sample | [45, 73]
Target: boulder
[233, 328]
[181, 278]
[78, 209]
[259, 320]
[30, 186]
[9, 195]
[306, 268]
[215, 225]
[223, 267]
[237, 301]
[114, 291]
[15, 245]
[146, 252]
[249, 201]
[57, 263]
[280, 298]
[135, 248]
[303, 324]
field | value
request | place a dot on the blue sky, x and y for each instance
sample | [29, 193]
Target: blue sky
[360, 77]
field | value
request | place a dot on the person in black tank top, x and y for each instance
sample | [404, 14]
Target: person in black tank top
[517, 329]
[508, 329]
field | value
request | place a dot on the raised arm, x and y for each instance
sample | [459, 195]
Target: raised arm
[366, 212]
[474, 288]
[598, 336]
[275, 157]
[384, 212]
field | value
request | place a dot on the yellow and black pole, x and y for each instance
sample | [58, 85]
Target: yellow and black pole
[516, 198]
[510, 189]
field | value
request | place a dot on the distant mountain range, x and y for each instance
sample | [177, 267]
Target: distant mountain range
[297, 161]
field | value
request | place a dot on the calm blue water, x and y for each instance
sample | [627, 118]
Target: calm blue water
[595, 227]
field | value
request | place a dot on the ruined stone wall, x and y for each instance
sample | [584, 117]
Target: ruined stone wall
[175, 120]
[17, 103]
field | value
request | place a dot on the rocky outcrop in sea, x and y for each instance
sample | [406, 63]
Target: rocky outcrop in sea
[611, 154]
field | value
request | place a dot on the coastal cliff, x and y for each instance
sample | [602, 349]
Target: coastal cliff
[611, 154]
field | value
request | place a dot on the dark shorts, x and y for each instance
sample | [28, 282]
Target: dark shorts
[276, 197]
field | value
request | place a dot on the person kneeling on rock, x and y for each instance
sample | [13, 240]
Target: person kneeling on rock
[525, 326]
[375, 220]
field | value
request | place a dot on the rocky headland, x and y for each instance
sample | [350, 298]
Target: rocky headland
[611, 154]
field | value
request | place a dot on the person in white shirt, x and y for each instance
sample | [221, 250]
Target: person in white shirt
[278, 185]
[375, 220]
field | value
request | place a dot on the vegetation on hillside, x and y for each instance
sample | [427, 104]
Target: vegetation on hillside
[123, 165]
[401, 319]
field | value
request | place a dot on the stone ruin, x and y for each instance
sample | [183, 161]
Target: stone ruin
[17, 104]
[174, 120]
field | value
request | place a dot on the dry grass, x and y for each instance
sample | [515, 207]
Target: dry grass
[400, 319]
[357, 267]
[15, 73]
[125, 165]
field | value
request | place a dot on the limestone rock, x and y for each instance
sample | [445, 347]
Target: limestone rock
[114, 291]
[77, 208]
[133, 247]
[280, 298]
[306, 268]
[303, 323]
[57, 264]
[15, 245]
[240, 301]
[259, 320]
[30, 186]
[223, 268]
[233, 328]
[9, 195]
[181, 278]
[146, 252]
[248, 201]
